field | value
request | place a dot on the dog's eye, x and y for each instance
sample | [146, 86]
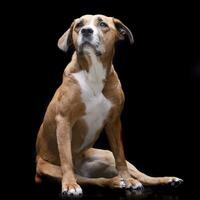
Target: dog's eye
[103, 24]
[79, 25]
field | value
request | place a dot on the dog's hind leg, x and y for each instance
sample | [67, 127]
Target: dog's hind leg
[101, 163]
[148, 180]
[45, 168]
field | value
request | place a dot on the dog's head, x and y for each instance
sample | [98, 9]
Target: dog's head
[98, 32]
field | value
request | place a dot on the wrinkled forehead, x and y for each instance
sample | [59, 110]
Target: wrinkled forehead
[95, 19]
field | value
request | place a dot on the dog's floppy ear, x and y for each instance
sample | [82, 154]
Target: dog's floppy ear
[123, 30]
[65, 41]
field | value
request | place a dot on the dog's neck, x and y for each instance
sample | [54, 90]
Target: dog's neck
[89, 59]
[93, 69]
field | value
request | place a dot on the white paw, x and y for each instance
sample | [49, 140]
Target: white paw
[178, 179]
[175, 181]
[137, 186]
[76, 191]
[122, 183]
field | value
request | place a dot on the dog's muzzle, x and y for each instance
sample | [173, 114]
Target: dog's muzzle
[89, 39]
[87, 36]
[87, 32]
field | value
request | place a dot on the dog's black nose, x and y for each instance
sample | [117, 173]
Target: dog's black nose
[87, 32]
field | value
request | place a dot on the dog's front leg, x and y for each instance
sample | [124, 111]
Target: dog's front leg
[63, 132]
[113, 130]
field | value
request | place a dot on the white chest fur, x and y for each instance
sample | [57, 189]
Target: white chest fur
[97, 106]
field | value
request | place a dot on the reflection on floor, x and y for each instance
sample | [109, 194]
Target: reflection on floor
[51, 191]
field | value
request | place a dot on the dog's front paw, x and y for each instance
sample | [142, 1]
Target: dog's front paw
[130, 183]
[133, 184]
[71, 190]
[117, 182]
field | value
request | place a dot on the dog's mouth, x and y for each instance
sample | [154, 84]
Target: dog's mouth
[86, 45]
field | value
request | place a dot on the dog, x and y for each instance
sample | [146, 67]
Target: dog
[89, 99]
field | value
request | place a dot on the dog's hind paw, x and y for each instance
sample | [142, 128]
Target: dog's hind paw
[175, 182]
[138, 187]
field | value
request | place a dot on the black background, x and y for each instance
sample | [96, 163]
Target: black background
[160, 76]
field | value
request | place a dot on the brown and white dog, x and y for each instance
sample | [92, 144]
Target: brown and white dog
[89, 99]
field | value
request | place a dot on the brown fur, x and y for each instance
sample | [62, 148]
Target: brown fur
[63, 131]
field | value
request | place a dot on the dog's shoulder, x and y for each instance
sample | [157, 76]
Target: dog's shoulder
[68, 95]
[113, 90]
